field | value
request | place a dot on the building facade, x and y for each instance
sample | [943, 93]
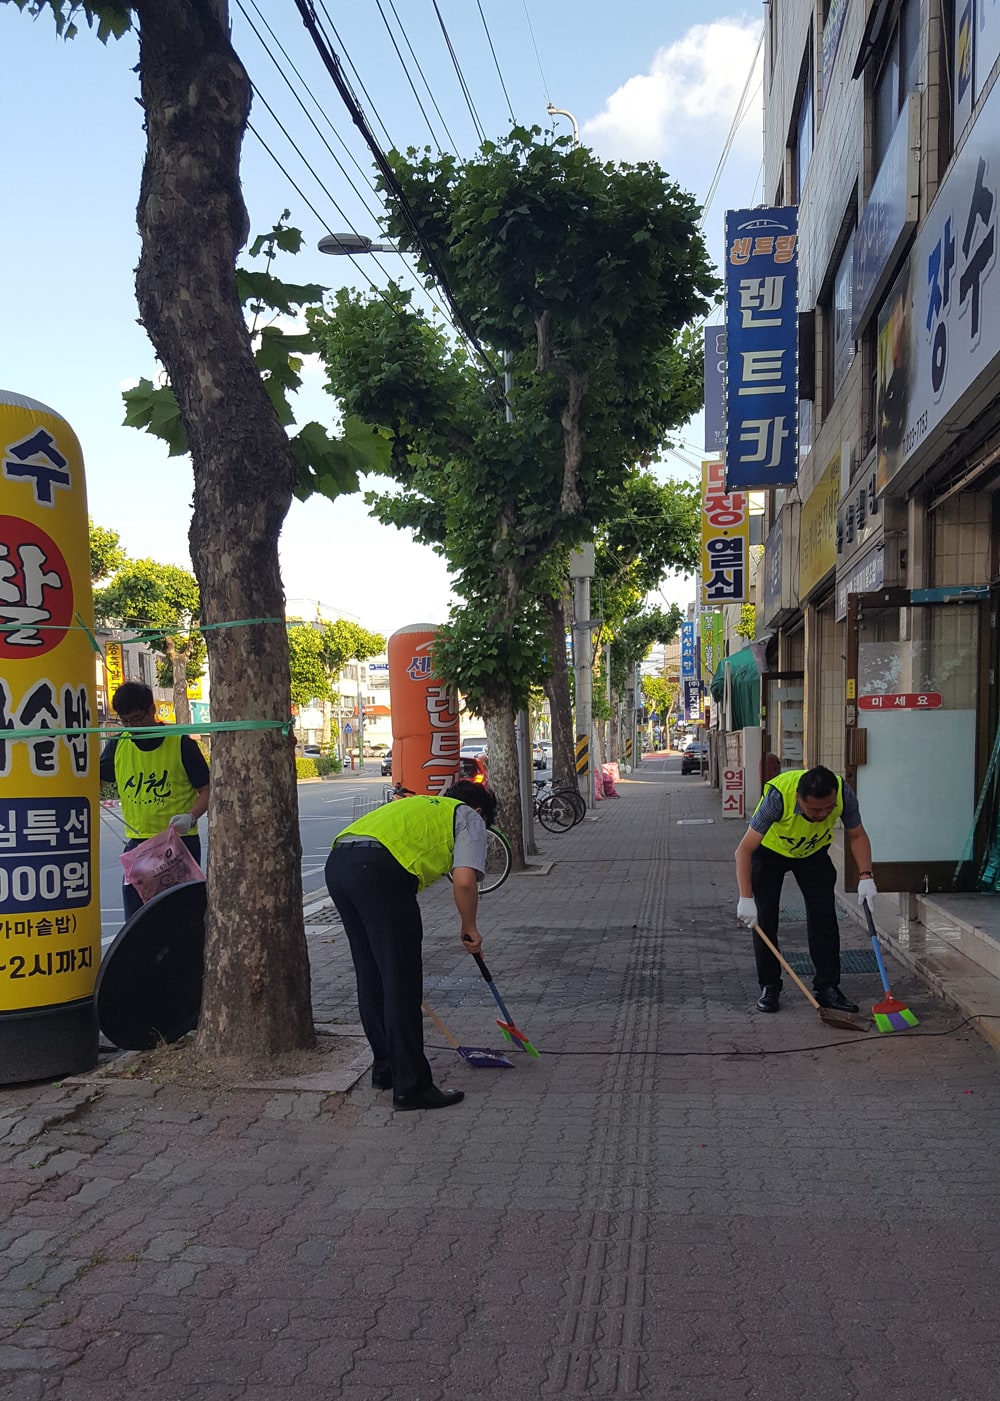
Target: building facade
[877, 600]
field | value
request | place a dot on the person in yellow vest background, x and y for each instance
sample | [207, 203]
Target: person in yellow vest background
[160, 782]
[374, 873]
[791, 830]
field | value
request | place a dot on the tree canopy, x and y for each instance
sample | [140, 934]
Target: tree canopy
[161, 604]
[318, 652]
[585, 274]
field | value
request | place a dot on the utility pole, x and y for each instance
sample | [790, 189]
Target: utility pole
[581, 571]
[522, 723]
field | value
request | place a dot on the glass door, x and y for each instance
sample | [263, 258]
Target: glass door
[916, 695]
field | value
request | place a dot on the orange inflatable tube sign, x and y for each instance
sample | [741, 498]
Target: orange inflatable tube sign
[425, 737]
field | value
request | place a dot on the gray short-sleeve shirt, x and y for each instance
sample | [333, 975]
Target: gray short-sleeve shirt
[470, 839]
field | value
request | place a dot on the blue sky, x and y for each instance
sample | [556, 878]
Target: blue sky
[642, 81]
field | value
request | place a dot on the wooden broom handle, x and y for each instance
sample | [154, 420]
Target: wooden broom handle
[784, 963]
[440, 1025]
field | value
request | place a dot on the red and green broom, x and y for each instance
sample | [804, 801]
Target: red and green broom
[891, 1014]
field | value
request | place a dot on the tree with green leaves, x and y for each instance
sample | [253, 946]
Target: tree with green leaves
[660, 696]
[195, 98]
[319, 652]
[654, 527]
[106, 552]
[585, 275]
[160, 604]
[310, 676]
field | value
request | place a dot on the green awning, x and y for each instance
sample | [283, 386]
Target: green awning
[744, 682]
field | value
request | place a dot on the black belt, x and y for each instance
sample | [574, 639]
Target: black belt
[354, 841]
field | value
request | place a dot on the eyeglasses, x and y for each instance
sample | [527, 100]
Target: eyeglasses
[139, 717]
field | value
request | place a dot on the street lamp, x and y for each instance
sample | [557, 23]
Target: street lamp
[561, 112]
[349, 243]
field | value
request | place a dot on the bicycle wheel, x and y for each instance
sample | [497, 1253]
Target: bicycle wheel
[575, 797]
[557, 813]
[497, 861]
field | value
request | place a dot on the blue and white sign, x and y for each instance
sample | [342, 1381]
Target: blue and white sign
[692, 700]
[715, 388]
[773, 560]
[44, 858]
[762, 360]
[939, 327]
[689, 651]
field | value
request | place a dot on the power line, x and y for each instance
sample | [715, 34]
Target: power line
[406, 71]
[734, 127]
[493, 51]
[347, 151]
[335, 70]
[343, 49]
[430, 93]
[545, 86]
[461, 76]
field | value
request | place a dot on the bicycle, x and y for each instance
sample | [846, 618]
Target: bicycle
[560, 809]
[498, 857]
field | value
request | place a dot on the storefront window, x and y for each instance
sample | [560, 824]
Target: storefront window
[842, 342]
[804, 129]
[898, 75]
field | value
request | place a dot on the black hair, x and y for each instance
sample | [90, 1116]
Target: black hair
[477, 795]
[131, 698]
[817, 783]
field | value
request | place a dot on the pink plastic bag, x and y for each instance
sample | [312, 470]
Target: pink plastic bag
[609, 777]
[158, 863]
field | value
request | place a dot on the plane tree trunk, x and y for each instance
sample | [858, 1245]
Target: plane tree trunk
[192, 220]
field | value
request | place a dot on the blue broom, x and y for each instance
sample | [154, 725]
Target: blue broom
[890, 1015]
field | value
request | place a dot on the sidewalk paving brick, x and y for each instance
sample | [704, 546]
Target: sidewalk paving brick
[680, 1198]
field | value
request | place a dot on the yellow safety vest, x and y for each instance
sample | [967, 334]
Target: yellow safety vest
[419, 832]
[152, 784]
[794, 835]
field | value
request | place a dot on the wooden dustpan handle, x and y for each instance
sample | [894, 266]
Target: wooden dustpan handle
[448, 1036]
[784, 963]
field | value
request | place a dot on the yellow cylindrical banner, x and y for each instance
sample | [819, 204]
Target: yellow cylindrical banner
[425, 738]
[50, 913]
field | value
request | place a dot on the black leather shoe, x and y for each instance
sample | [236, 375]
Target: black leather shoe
[834, 999]
[432, 1098]
[769, 999]
[382, 1081]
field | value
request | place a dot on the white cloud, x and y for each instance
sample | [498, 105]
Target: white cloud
[679, 113]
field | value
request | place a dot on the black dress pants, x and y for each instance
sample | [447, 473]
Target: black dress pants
[377, 900]
[816, 877]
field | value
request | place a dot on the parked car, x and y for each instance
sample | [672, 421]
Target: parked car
[695, 754]
[311, 751]
[473, 748]
[542, 754]
[387, 764]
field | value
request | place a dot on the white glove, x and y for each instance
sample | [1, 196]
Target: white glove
[746, 911]
[867, 890]
[183, 822]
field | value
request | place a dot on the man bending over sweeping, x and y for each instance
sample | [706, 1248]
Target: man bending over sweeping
[374, 873]
[791, 830]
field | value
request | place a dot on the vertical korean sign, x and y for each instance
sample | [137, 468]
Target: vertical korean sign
[49, 786]
[689, 669]
[725, 539]
[762, 377]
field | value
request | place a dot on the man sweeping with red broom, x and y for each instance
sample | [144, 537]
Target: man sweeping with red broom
[791, 830]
